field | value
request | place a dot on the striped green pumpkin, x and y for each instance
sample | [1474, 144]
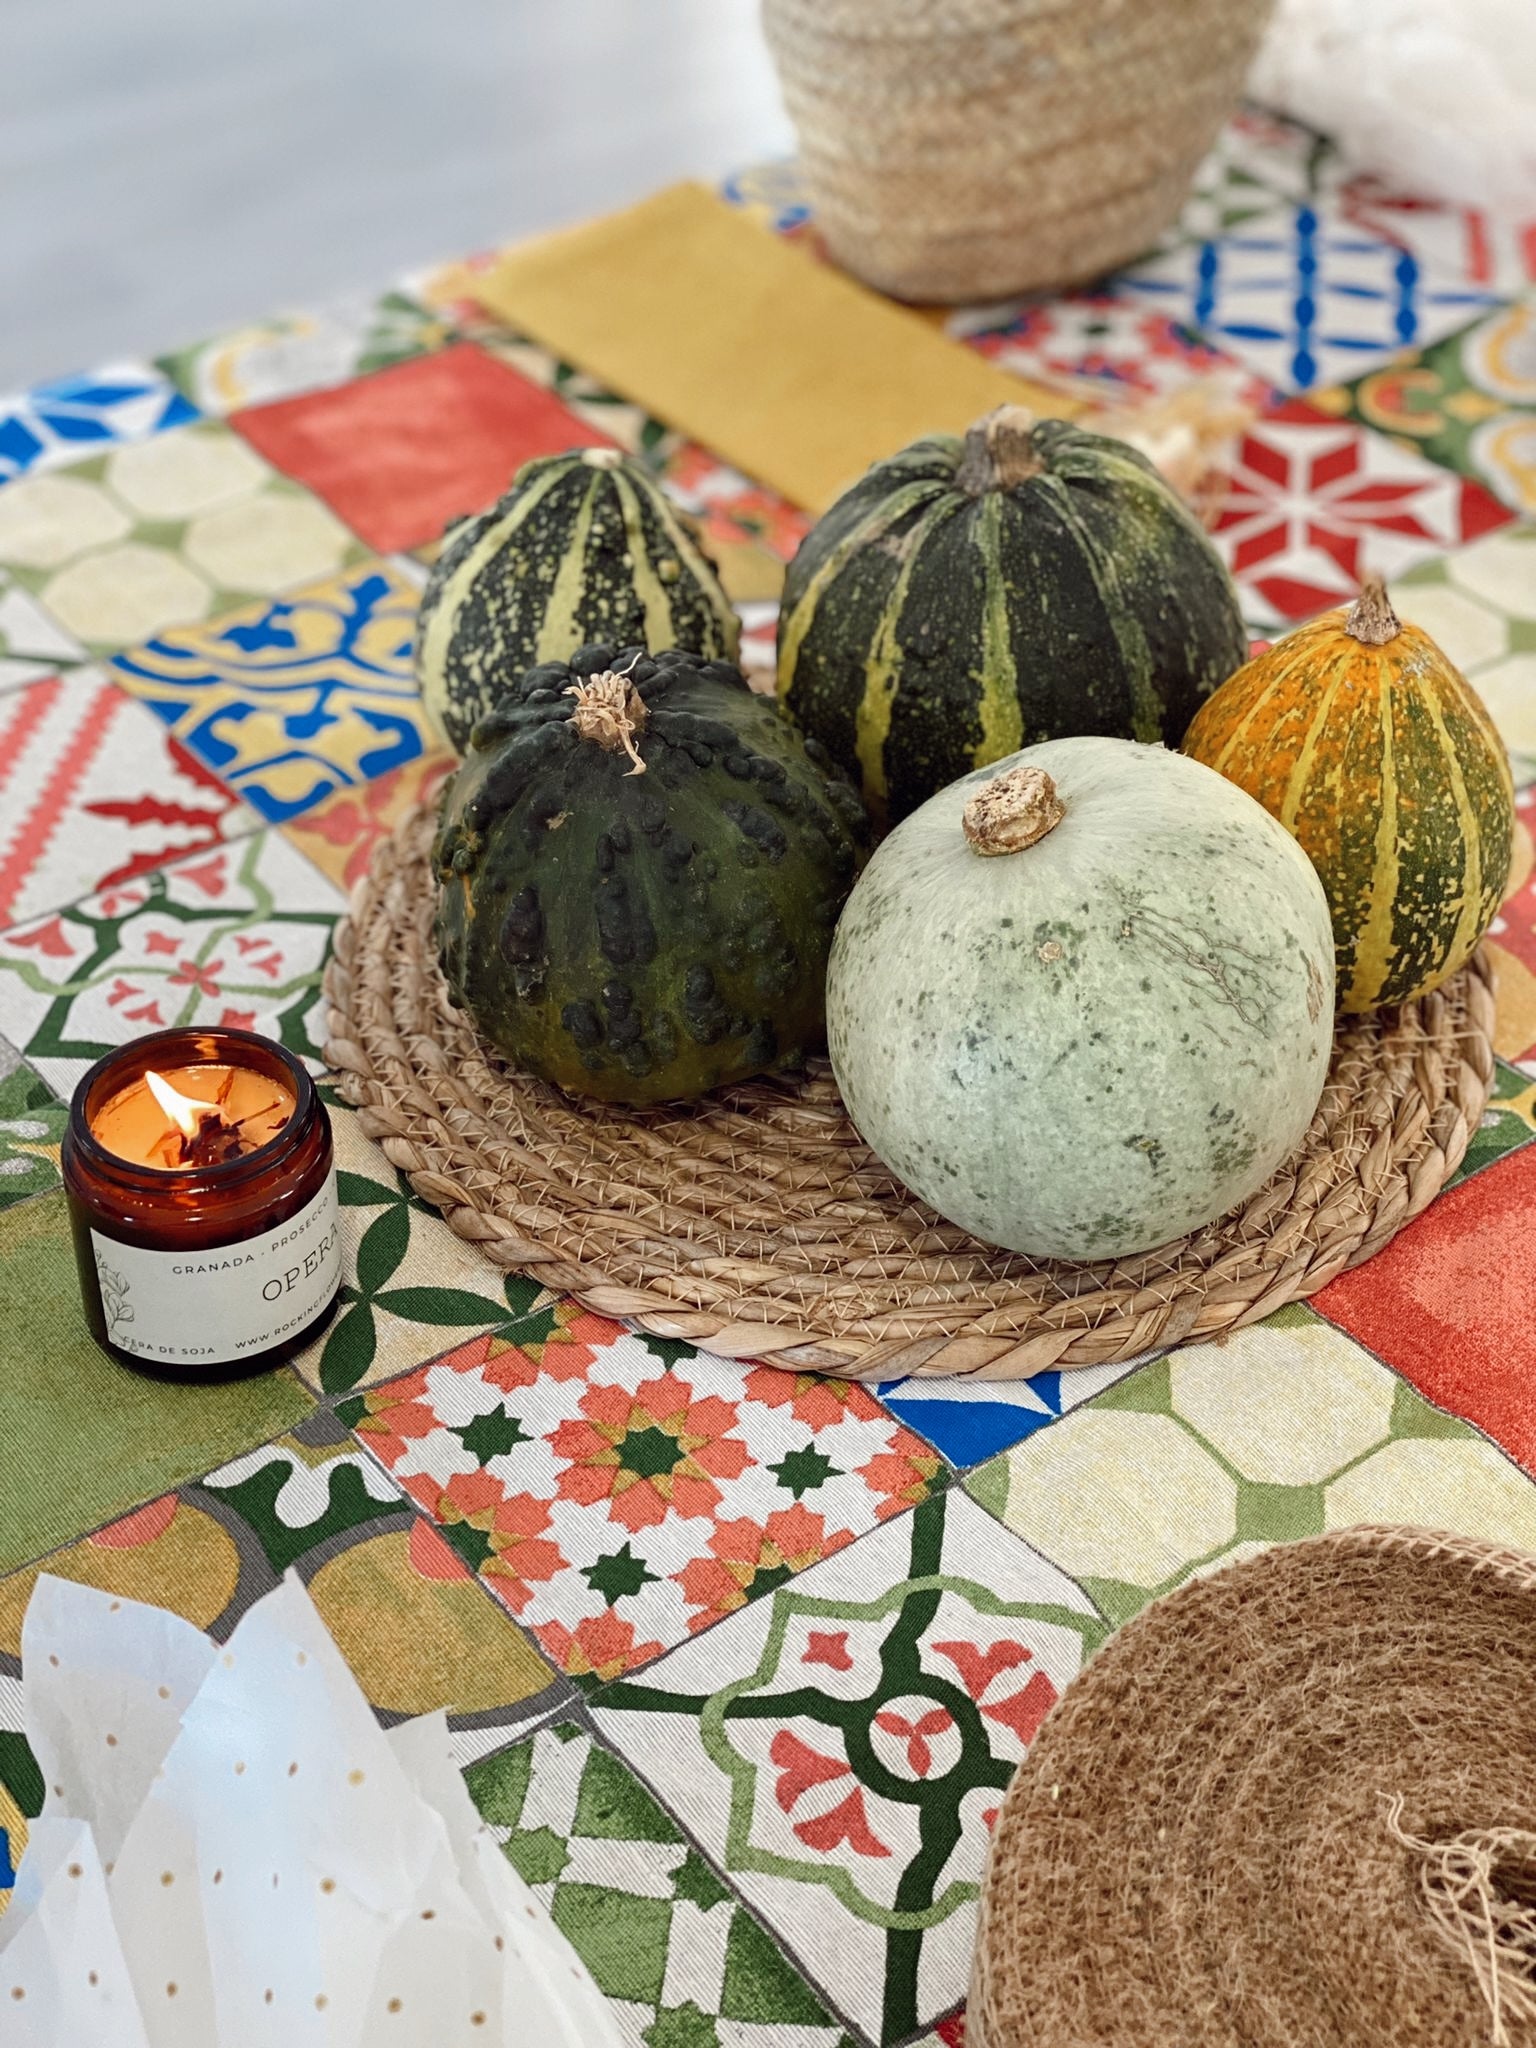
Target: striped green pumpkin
[1371, 748]
[970, 597]
[584, 547]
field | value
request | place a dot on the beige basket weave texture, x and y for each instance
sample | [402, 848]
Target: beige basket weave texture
[1291, 1805]
[971, 149]
[756, 1223]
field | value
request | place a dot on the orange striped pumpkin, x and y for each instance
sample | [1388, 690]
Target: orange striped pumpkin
[1367, 744]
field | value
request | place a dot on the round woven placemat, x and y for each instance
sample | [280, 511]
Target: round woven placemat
[1289, 1806]
[757, 1223]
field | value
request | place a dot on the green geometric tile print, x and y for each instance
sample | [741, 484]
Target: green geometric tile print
[32, 1121]
[1242, 177]
[126, 555]
[1467, 402]
[941, 1680]
[662, 1936]
[260, 1490]
[1265, 1513]
[914, 1606]
[1204, 1456]
[308, 349]
[394, 1276]
[1509, 1121]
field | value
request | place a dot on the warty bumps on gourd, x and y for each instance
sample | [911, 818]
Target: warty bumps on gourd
[641, 866]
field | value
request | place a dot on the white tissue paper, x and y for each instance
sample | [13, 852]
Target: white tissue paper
[233, 1854]
[1438, 97]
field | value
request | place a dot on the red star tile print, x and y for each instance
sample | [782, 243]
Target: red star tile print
[1317, 503]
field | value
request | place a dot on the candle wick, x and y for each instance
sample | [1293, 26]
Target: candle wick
[265, 1110]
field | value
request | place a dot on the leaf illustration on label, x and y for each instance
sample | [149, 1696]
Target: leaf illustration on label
[114, 1297]
[211, 1304]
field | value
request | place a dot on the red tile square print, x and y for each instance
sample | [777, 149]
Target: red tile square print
[401, 452]
[1452, 1303]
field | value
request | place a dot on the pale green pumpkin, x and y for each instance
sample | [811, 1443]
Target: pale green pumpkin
[1104, 1038]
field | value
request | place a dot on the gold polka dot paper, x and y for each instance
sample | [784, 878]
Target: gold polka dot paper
[231, 1845]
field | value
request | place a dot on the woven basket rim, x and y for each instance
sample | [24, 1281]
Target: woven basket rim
[859, 23]
[1340, 1614]
[757, 1225]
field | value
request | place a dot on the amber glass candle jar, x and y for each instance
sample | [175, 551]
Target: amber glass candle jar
[202, 1189]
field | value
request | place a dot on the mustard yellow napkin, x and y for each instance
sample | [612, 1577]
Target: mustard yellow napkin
[784, 368]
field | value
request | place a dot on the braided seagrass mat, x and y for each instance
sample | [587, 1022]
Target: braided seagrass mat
[758, 1225]
[1292, 1805]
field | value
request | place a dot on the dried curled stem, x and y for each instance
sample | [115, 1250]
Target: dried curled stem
[999, 452]
[1371, 619]
[1012, 811]
[610, 711]
[1479, 1889]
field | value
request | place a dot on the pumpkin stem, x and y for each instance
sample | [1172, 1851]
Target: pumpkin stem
[610, 711]
[1012, 811]
[1371, 619]
[999, 452]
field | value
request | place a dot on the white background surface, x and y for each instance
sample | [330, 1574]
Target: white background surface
[171, 167]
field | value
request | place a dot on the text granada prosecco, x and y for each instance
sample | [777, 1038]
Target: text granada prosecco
[237, 1257]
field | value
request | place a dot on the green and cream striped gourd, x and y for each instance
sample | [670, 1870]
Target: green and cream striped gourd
[972, 596]
[585, 546]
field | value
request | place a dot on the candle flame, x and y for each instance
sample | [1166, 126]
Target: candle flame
[183, 1110]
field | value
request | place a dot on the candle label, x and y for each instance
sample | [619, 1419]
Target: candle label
[227, 1302]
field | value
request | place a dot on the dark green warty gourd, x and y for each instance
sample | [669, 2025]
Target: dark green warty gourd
[585, 546]
[972, 596]
[641, 865]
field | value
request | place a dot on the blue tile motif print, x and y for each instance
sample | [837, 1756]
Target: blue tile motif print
[1305, 297]
[60, 421]
[968, 1421]
[290, 700]
[775, 192]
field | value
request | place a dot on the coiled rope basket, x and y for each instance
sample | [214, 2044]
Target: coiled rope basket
[971, 149]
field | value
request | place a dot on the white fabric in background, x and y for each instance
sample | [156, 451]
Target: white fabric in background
[1437, 97]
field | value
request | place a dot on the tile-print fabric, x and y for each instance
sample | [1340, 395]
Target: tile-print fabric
[1317, 503]
[55, 423]
[290, 699]
[402, 453]
[1479, 603]
[1305, 297]
[180, 527]
[596, 1477]
[1468, 402]
[304, 351]
[97, 792]
[738, 1661]
[235, 936]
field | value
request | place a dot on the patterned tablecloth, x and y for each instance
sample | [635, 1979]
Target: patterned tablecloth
[739, 1663]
